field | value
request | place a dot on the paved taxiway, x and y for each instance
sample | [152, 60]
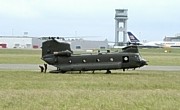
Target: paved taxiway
[36, 67]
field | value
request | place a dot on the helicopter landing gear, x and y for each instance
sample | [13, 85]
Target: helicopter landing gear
[108, 72]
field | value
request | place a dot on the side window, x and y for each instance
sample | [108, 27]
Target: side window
[111, 59]
[84, 61]
[125, 59]
[78, 47]
[102, 47]
[98, 60]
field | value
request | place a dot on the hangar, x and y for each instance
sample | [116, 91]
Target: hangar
[81, 44]
[88, 44]
[36, 42]
[19, 42]
[172, 39]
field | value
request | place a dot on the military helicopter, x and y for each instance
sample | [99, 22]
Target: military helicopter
[60, 55]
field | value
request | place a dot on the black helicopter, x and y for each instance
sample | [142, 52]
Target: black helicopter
[60, 55]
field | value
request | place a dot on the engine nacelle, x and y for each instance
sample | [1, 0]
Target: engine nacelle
[66, 53]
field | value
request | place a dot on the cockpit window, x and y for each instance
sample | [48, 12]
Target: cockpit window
[137, 57]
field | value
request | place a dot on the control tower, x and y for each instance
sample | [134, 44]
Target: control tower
[121, 18]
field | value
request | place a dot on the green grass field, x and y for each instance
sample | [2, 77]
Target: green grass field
[137, 90]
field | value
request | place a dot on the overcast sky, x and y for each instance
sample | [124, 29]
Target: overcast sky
[150, 20]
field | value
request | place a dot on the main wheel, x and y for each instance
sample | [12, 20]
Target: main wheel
[108, 72]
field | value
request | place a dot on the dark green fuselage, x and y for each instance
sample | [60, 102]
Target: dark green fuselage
[64, 61]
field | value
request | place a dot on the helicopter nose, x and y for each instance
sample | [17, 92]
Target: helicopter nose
[143, 62]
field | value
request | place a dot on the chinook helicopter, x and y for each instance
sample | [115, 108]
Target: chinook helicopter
[60, 55]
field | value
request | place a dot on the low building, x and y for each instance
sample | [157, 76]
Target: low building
[79, 43]
[36, 42]
[19, 42]
[88, 44]
[172, 39]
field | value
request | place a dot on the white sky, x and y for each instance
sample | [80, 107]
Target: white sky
[147, 19]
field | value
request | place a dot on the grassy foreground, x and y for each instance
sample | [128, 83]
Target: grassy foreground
[132, 90]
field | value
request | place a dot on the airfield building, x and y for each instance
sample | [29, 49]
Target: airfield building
[87, 44]
[172, 39]
[36, 42]
[81, 44]
[19, 42]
